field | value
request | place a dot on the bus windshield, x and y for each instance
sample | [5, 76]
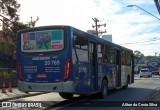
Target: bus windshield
[42, 41]
[153, 63]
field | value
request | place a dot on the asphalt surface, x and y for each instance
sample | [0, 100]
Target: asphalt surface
[16, 94]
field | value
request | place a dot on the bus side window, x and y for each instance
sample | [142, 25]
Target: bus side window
[81, 48]
[100, 56]
[91, 53]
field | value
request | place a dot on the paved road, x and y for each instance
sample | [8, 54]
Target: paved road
[142, 90]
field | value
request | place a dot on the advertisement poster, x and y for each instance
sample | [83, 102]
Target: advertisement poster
[49, 40]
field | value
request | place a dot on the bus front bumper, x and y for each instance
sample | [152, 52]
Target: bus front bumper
[67, 86]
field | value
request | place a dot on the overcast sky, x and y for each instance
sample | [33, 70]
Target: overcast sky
[130, 27]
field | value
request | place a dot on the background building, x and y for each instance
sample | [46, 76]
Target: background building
[107, 37]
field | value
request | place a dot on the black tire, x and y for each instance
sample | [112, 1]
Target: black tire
[66, 95]
[104, 89]
[126, 86]
[150, 76]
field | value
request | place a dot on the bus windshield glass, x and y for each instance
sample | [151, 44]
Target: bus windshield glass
[152, 64]
[42, 41]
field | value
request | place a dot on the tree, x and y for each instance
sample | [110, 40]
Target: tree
[11, 24]
[15, 28]
[152, 58]
[19, 26]
[8, 16]
[32, 23]
[138, 56]
[9, 8]
[10, 20]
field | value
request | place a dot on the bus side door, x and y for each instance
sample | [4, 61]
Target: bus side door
[93, 65]
[118, 63]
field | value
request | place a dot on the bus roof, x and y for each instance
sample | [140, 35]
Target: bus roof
[104, 41]
[89, 35]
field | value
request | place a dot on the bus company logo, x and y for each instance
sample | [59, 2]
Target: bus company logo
[6, 104]
[21, 104]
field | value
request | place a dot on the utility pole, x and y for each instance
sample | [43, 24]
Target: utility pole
[98, 26]
[155, 54]
[96, 22]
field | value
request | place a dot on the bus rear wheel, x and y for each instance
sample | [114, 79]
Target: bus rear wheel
[127, 82]
[66, 95]
[104, 89]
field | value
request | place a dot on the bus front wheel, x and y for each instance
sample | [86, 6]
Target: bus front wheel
[66, 95]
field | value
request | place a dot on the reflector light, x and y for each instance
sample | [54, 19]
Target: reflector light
[67, 70]
[20, 72]
[41, 54]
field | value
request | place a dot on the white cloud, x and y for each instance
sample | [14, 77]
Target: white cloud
[52, 12]
[126, 24]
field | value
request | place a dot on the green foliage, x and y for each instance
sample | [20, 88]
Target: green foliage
[152, 58]
[7, 48]
[10, 19]
[138, 56]
[15, 28]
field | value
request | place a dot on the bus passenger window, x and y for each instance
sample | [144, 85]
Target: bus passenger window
[81, 46]
[100, 57]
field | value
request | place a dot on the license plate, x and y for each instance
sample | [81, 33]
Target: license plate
[41, 75]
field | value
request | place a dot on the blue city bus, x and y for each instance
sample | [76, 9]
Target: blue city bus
[154, 67]
[69, 61]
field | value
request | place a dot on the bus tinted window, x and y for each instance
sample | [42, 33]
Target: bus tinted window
[152, 64]
[100, 57]
[112, 55]
[108, 54]
[42, 41]
[126, 58]
[81, 45]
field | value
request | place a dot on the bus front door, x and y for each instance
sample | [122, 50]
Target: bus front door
[118, 78]
[93, 65]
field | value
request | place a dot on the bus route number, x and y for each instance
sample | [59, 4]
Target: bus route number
[52, 62]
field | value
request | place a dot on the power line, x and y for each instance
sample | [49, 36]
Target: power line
[120, 19]
[145, 38]
[138, 42]
[148, 36]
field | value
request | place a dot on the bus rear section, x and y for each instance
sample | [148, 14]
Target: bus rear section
[43, 60]
[153, 67]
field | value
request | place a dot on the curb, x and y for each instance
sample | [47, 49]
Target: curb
[150, 97]
[156, 94]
